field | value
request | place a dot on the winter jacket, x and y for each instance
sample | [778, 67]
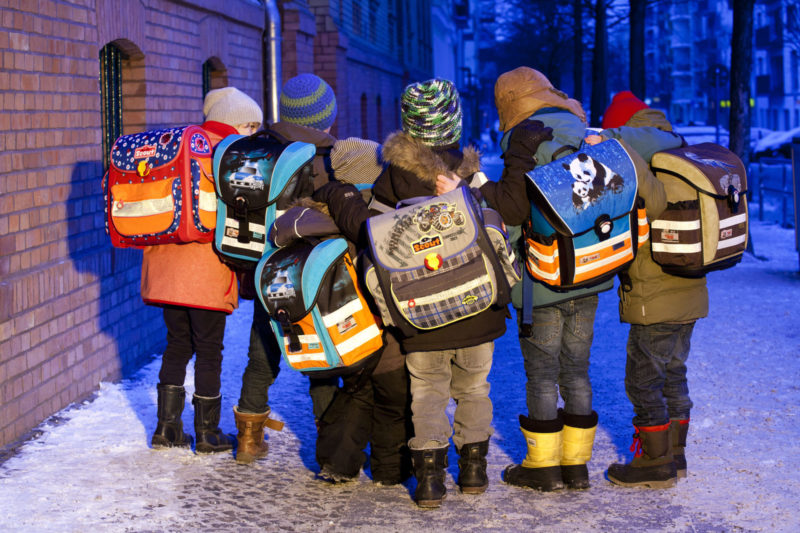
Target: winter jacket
[190, 274]
[647, 294]
[411, 172]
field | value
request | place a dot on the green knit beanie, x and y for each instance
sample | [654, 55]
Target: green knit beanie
[431, 112]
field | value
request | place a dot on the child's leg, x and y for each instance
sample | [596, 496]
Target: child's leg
[391, 427]
[344, 430]
[469, 387]
[676, 388]
[263, 364]
[208, 329]
[650, 351]
[179, 349]
[540, 354]
[430, 375]
[576, 343]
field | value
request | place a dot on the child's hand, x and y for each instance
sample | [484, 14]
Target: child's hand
[593, 139]
[446, 184]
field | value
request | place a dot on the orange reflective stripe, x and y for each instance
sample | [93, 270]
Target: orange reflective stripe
[602, 260]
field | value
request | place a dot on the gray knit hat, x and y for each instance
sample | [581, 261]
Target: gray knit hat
[231, 106]
[431, 112]
[356, 160]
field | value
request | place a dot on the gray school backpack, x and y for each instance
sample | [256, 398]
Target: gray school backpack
[434, 261]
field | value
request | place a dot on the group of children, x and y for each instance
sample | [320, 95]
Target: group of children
[398, 403]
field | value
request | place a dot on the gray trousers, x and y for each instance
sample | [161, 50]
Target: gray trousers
[435, 378]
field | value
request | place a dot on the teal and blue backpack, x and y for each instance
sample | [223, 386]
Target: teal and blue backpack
[323, 324]
[257, 178]
[587, 221]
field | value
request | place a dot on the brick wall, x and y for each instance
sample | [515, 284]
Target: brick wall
[70, 312]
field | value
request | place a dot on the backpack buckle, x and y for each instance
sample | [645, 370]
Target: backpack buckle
[603, 226]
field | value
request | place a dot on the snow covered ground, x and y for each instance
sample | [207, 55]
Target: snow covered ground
[91, 468]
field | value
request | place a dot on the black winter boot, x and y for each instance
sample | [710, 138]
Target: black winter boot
[472, 478]
[206, 426]
[169, 429]
[678, 429]
[652, 465]
[429, 468]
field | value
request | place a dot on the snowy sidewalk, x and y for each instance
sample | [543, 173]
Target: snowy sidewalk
[91, 469]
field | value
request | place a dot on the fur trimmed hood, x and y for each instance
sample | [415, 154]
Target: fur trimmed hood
[410, 154]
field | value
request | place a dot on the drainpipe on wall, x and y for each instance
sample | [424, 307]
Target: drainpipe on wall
[272, 60]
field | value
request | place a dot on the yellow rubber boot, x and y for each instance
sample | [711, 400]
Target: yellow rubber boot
[578, 440]
[541, 468]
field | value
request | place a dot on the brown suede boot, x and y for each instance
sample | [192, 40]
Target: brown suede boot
[251, 444]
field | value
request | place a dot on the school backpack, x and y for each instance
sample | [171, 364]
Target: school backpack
[432, 262]
[159, 188]
[586, 219]
[705, 225]
[258, 176]
[323, 324]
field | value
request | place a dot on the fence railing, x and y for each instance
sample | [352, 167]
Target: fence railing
[770, 178]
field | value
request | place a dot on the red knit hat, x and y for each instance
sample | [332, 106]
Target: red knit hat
[623, 106]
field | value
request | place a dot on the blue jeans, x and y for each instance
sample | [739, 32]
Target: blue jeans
[435, 378]
[556, 357]
[655, 372]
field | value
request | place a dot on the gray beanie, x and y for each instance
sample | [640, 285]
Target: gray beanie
[231, 106]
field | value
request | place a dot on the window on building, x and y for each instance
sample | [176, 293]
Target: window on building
[364, 117]
[110, 96]
[357, 20]
[215, 76]
[122, 91]
[794, 73]
[796, 118]
[379, 115]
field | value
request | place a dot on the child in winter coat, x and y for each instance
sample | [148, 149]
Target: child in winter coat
[452, 361]
[369, 407]
[307, 112]
[197, 291]
[662, 310]
[538, 120]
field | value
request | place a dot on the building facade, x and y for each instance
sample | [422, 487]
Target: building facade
[73, 76]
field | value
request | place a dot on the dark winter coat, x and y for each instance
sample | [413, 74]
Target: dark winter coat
[649, 295]
[411, 172]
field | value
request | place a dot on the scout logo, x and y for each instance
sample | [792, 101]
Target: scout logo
[433, 261]
[144, 151]
[589, 258]
[426, 243]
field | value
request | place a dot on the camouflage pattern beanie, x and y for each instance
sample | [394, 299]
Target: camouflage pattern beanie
[431, 112]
